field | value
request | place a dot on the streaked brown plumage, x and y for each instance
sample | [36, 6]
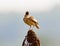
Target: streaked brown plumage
[30, 20]
[31, 39]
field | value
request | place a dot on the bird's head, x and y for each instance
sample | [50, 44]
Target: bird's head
[27, 13]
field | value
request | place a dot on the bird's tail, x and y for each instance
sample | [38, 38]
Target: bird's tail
[37, 26]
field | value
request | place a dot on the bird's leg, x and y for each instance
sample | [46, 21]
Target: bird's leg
[30, 28]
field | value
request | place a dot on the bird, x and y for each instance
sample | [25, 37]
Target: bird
[31, 39]
[30, 20]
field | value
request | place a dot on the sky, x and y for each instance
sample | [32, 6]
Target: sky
[13, 29]
[31, 5]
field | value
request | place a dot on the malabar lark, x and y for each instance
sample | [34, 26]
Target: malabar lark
[30, 20]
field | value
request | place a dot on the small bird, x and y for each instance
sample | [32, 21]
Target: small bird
[30, 20]
[31, 39]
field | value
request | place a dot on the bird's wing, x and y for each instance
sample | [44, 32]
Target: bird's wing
[31, 18]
